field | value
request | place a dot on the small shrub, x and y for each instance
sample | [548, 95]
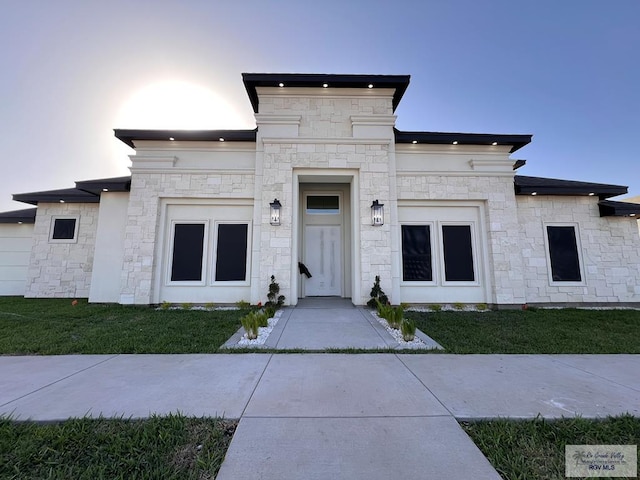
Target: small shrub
[384, 310]
[270, 312]
[408, 329]
[165, 305]
[186, 305]
[458, 306]
[377, 294]
[262, 318]
[435, 307]
[482, 307]
[250, 324]
[395, 317]
[274, 300]
[243, 304]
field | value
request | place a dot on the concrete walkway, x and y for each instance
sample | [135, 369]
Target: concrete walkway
[312, 416]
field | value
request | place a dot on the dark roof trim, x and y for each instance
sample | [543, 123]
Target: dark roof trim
[19, 216]
[118, 184]
[552, 186]
[609, 208]
[450, 138]
[519, 163]
[297, 80]
[68, 195]
[130, 136]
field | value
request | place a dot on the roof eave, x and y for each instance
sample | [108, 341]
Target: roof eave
[129, 137]
[516, 141]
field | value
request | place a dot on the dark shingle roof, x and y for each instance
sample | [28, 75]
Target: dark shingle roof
[117, 184]
[19, 216]
[609, 208]
[553, 186]
[447, 138]
[316, 80]
[130, 136]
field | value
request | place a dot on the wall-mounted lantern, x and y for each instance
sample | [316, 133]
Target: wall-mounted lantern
[377, 213]
[275, 211]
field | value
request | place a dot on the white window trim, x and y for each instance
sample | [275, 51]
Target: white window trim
[474, 254]
[323, 194]
[555, 283]
[75, 231]
[205, 249]
[214, 256]
[434, 264]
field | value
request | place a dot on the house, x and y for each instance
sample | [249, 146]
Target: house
[325, 180]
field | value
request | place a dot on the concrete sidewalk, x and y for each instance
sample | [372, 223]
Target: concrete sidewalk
[329, 416]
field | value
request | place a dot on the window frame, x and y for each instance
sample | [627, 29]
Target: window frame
[434, 263]
[75, 229]
[214, 255]
[322, 194]
[474, 254]
[547, 252]
[205, 250]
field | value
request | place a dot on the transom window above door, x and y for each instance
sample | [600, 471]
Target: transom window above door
[323, 204]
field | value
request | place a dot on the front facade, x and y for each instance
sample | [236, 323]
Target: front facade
[194, 222]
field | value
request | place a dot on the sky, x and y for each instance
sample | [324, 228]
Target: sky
[71, 71]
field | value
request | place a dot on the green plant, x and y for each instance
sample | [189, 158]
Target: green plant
[186, 305]
[482, 307]
[210, 305]
[396, 316]
[262, 318]
[384, 309]
[243, 304]
[435, 307]
[458, 306]
[250, 324]
[377, 294]
[274, 300]
[165, 305]
[270, 311]
[408, 329]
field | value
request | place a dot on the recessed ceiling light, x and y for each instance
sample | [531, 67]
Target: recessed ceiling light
[370, 85]
[415, 141]
[105, 189]
[631, 215]
[171, 138]
[281, 84]
[591, 194]
[494, 143]
[534, 193]
[455, 143]
[61, 201]
[19, 223]
[221, 139]
[325, 85]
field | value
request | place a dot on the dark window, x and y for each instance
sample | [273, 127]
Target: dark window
[416, 253]
[64, 229]
[188, 242]
[458, 253]
[563, 252]
[231, 258]
[323, 204]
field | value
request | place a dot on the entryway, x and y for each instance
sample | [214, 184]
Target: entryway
[325, 254]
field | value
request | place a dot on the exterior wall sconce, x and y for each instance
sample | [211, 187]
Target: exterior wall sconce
[377, 213]
[275, 211]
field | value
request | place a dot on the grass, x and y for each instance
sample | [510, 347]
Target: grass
[55, 327]
[534, 449]
[533, 331]
[172, 447]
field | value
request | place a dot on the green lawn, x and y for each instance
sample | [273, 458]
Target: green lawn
[533, 331]
[530, 450]
[55, 327]
[173, 447]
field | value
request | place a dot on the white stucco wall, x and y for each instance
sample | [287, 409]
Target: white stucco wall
[609, 253]
[15, 250]
[62, 269]
[109, 249]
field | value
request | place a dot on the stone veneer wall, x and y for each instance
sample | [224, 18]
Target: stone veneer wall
[610, 254]
[502, 227]
[62, 269]
[325, 141]
[141, 233]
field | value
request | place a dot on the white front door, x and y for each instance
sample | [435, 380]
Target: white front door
[323, 258]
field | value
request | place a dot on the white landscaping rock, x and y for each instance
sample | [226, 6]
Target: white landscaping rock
[263, 332]
[397, 334]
